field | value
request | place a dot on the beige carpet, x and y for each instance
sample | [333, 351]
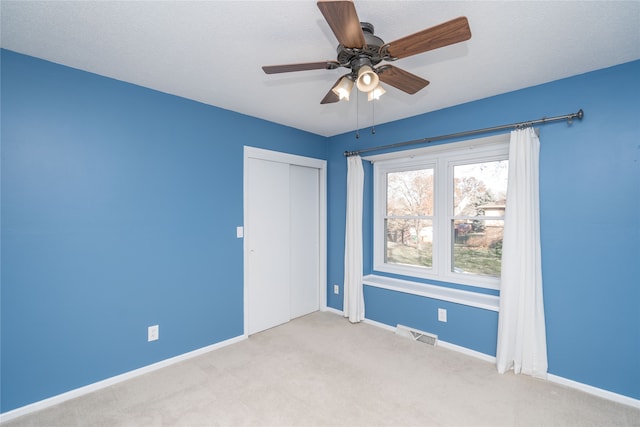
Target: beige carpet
[320, 370]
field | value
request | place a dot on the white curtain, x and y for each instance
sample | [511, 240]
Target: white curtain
[521, 328]
[353, 306]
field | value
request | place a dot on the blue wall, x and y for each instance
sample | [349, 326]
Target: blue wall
[119, 208]
[590, 210]
[119, 211]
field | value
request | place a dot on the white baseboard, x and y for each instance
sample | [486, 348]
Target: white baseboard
[72, 394]
[467, 351]
[379, 325]
[443, 344]
[605, 394]
[333, 310]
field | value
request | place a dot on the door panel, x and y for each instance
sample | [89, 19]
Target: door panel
[267, 237]
[305, 240]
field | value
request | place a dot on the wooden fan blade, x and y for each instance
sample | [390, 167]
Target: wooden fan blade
[286, 68]
[331, 97]
[401, 79]
[450, 32]
[343, 20]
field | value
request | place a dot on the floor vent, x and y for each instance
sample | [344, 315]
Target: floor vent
[417, 335]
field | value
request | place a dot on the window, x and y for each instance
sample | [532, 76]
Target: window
[439, 214]
[408, 223]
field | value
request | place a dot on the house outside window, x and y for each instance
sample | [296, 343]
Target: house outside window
[439, 214]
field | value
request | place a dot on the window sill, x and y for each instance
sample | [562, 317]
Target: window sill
[474, 280]
[472, 299]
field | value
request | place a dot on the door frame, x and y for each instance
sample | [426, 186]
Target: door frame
[291, 159]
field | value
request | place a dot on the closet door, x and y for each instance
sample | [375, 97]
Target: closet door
[267, 236]
[282, 242]
[304, 219]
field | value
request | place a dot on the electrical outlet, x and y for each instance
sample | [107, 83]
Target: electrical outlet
[442, 314]
[336, 289]
[153, 333]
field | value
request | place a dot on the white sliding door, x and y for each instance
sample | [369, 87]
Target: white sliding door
[284, 238]
[304, 240]
[267, 234]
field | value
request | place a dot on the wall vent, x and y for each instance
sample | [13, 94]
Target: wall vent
[417, 335]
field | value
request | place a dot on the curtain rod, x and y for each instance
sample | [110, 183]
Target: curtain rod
[568, 117]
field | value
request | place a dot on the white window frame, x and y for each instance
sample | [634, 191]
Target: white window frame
[443, 158]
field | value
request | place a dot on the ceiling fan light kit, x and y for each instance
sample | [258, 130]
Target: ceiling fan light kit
[367, 79]
[343, 88]
[376, 93]
[361, 51]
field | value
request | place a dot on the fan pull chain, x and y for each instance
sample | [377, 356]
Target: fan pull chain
[373, 115]
[357, 114]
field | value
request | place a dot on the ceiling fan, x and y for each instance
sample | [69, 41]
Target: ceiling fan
[361, 51]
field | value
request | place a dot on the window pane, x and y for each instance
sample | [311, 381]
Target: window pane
[480, 188]
[409, 242]
[410, 193]
[477, 247]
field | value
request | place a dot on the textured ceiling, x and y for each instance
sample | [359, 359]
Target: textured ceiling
[212, 51]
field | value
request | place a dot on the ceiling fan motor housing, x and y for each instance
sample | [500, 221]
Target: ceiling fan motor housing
[354, 58]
